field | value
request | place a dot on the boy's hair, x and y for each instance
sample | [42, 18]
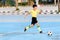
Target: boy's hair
[34, 6]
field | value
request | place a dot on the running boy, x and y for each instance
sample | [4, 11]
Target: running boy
[34, 12]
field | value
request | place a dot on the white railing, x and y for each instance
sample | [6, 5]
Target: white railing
[23, 12]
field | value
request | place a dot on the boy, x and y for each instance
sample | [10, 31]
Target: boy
[34, 12]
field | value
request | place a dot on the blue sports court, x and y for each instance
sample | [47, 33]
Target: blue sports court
[12, 27]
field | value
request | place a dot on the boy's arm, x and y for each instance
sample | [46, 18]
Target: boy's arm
[40, 11]
[26, 13]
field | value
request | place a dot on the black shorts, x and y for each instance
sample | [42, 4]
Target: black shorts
[34, 20]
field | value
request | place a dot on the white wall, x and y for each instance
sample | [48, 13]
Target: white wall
[24, 0]
[19, 1]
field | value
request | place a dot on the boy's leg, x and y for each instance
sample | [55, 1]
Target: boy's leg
[28, 27]
[38, 27]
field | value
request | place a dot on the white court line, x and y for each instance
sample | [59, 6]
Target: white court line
[23, 33]
[19, 33]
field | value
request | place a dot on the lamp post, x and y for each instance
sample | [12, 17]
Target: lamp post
[37, 2]
[16, 1]
[55, 2]
[59, 5]
[3, 1]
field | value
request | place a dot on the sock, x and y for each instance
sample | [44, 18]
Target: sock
[28, 27]
[39, 29]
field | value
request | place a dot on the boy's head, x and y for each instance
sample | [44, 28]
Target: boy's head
[34, 6]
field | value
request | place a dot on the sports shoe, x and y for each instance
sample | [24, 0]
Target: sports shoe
[25, 30]
[41, 32]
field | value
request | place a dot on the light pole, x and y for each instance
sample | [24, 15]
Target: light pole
[16, 1]
[29, 2]
[55, 2]
[3, 1]
[59, 5]
[37, 2]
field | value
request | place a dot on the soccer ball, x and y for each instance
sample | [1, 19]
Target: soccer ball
[49, 33]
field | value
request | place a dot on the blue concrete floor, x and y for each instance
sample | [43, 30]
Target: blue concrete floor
[6, 27]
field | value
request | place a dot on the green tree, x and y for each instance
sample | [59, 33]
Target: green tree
[10, 2]
[7, 2]
[0, 2]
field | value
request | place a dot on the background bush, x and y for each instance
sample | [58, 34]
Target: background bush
[23, 4]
